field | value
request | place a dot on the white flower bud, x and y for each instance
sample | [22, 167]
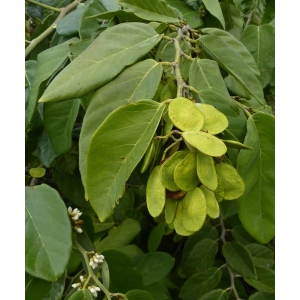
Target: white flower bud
[75, 285]
[97, 288]
[70, 210]
[79, 230]
[82, 279]
[75, 218]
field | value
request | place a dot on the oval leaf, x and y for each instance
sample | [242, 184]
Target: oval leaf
[206, 171]
[262, 296]
[155, 193]
[37, 172]
[155, 237]
[184, 115]
[178, 221]
[170, 210]
[240, 259]
[134, 83]
[107, 169]
[213, 6]
[219, 191]
[212, 206]
[205, 143]
[138, 295]
[92, 69]
[156, 10]
[214, 121]
[215, 295]
[232, 182]
[236, 145]
[83, 294]
[48, 239]
[256, 207]
[194, 210]
[265, 281]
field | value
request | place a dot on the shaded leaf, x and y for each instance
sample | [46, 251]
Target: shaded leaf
[132, 134]
[260, 41]
[245, 6]
[215, 295]
[200, 284]
[83, 294]
[242, 236]
[59, 119]
[138, 295]
[213, 6]
[157, 10]
[92, 69]
[121, 14]
[234, 64]
[265, 281]
[48, 239]
[262, 296]
[262, 255]
[123, 276]
[134, 83]
[120, 236]
[153, 266]
[155, 237]
[256, 207]
[239, 258]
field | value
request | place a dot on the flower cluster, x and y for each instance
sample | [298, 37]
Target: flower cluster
[74, 215]
[96, 259]
[93, 289]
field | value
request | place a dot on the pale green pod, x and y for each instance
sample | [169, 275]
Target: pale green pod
[214, 121]
[212, 205]
[205, 143]
[233, 183]
[206, 171]
[194, 210]
[148, 156]
[178, 221]
[167, 170]
[155, 193]
[184, 115]
[185, 173]
[219, 191]
[170, 210]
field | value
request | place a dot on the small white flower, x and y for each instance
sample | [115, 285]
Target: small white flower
[82, 279]
[93, 264]
[92, 290]
[70, 210]
[75, 285]
[75, 218]
[97, 289]
[79, 230]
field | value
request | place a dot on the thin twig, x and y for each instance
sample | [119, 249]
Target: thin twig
[44, 5]
[249, 19]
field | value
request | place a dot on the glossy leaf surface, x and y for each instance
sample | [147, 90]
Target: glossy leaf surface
[48, 240]
[257, 168]
[112, 157]
[92, 69]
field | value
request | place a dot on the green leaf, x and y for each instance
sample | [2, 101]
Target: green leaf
[133, 126]
[242, 236]
[213, 6]
[30, 71]
[215, 295]
[234, 20]
[262, 255]
[205, 143]
[120, 236]
[137, 82]
[92, 69]
[156, 10]
[194, 210]
[239, 259]
[121, 14]
[200, 284]
[236, 118]
[131, 250]
[83, 294]
[59, 119]
[262, 296]
[192, 17]
[231, 61]
[37, 172]
[138, 295]
[88, 27]
[205, 75]
[212, 206]
[48, 241]
[207, 231]
[155, 237]
[245, 6]
[236, 45]
[265, 281]
[260, 41]
[178, 221]
[256, 207]
[48, 62]
[123, 276]
[39, 289]
[269, 14]
[153, 266]
[69, 24]
[45, 152]
[201, 257]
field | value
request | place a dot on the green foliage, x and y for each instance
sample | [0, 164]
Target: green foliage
[150, 136]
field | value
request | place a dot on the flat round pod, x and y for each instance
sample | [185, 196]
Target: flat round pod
[219, 191]
[170, 210]
[167, 170]
[178, 221]
[194, 210]
[212, 205]
[205, 143]
[232, 182]
[214, 121]
[185, 173]
[206, 171]
[184, 115]
[155, 193]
